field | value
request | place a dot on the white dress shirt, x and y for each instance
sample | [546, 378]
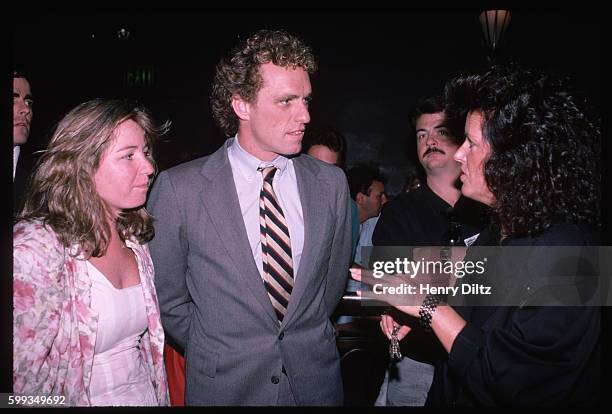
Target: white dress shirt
[16, 151]
[366, 229]
[248, 183]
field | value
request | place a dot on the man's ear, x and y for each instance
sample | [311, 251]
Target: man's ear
[241, 107]
[360, 198]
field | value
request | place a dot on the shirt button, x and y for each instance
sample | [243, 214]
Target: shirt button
[281, 336]
[275, 379]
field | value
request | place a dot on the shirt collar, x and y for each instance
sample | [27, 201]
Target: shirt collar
[16, 151]
[248, 163]
[435, 200]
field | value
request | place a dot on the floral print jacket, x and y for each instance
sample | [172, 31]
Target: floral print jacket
[54, 328]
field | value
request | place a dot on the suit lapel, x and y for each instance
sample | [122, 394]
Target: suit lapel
[313, 203]
[222, 205]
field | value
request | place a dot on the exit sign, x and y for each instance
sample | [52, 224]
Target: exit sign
[141, 76]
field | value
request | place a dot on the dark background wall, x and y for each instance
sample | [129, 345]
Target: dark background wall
[374, 64]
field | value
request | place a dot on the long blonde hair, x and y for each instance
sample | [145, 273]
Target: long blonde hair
[62, 192]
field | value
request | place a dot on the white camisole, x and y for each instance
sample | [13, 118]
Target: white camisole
[119, 375]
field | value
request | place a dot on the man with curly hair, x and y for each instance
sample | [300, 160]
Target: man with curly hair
[252, 243]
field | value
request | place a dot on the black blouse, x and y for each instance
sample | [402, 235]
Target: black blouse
[523, 355]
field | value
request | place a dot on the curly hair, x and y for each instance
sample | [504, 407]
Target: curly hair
[62, 192]
[238, 72]
[544, 166]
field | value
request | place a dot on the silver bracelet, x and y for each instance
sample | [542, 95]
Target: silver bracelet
[427, 309]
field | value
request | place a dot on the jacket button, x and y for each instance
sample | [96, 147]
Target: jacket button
[281, 336]
[275, 379]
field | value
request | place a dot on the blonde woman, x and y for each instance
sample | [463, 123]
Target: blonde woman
[86, 319]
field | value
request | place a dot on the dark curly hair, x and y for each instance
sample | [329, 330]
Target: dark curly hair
[544, 166]
[238, 72]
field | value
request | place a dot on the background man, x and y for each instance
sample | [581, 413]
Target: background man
[424, 217]
[367, 187]
[326, 144]
[22, 117]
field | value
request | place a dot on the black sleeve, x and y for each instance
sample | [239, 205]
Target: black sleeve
[531, 355]
[535, 358]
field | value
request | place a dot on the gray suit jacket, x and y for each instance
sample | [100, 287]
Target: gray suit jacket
[213, 301]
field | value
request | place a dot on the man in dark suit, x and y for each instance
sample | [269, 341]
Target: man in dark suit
[22, 117]
[252, 245]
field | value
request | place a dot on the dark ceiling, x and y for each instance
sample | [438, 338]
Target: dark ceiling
[374, 63]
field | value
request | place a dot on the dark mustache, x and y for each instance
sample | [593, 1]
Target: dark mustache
[433, 149]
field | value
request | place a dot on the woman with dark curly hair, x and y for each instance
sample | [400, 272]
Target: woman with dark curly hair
[531, 154]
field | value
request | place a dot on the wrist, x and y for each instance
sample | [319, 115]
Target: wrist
[427, 310]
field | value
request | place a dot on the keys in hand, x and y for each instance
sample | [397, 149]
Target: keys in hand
[394, 348]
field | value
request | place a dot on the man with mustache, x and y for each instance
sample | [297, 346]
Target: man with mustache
[426, 216]
[22, 117]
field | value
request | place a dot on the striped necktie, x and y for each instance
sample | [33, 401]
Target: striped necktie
[275, 246]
